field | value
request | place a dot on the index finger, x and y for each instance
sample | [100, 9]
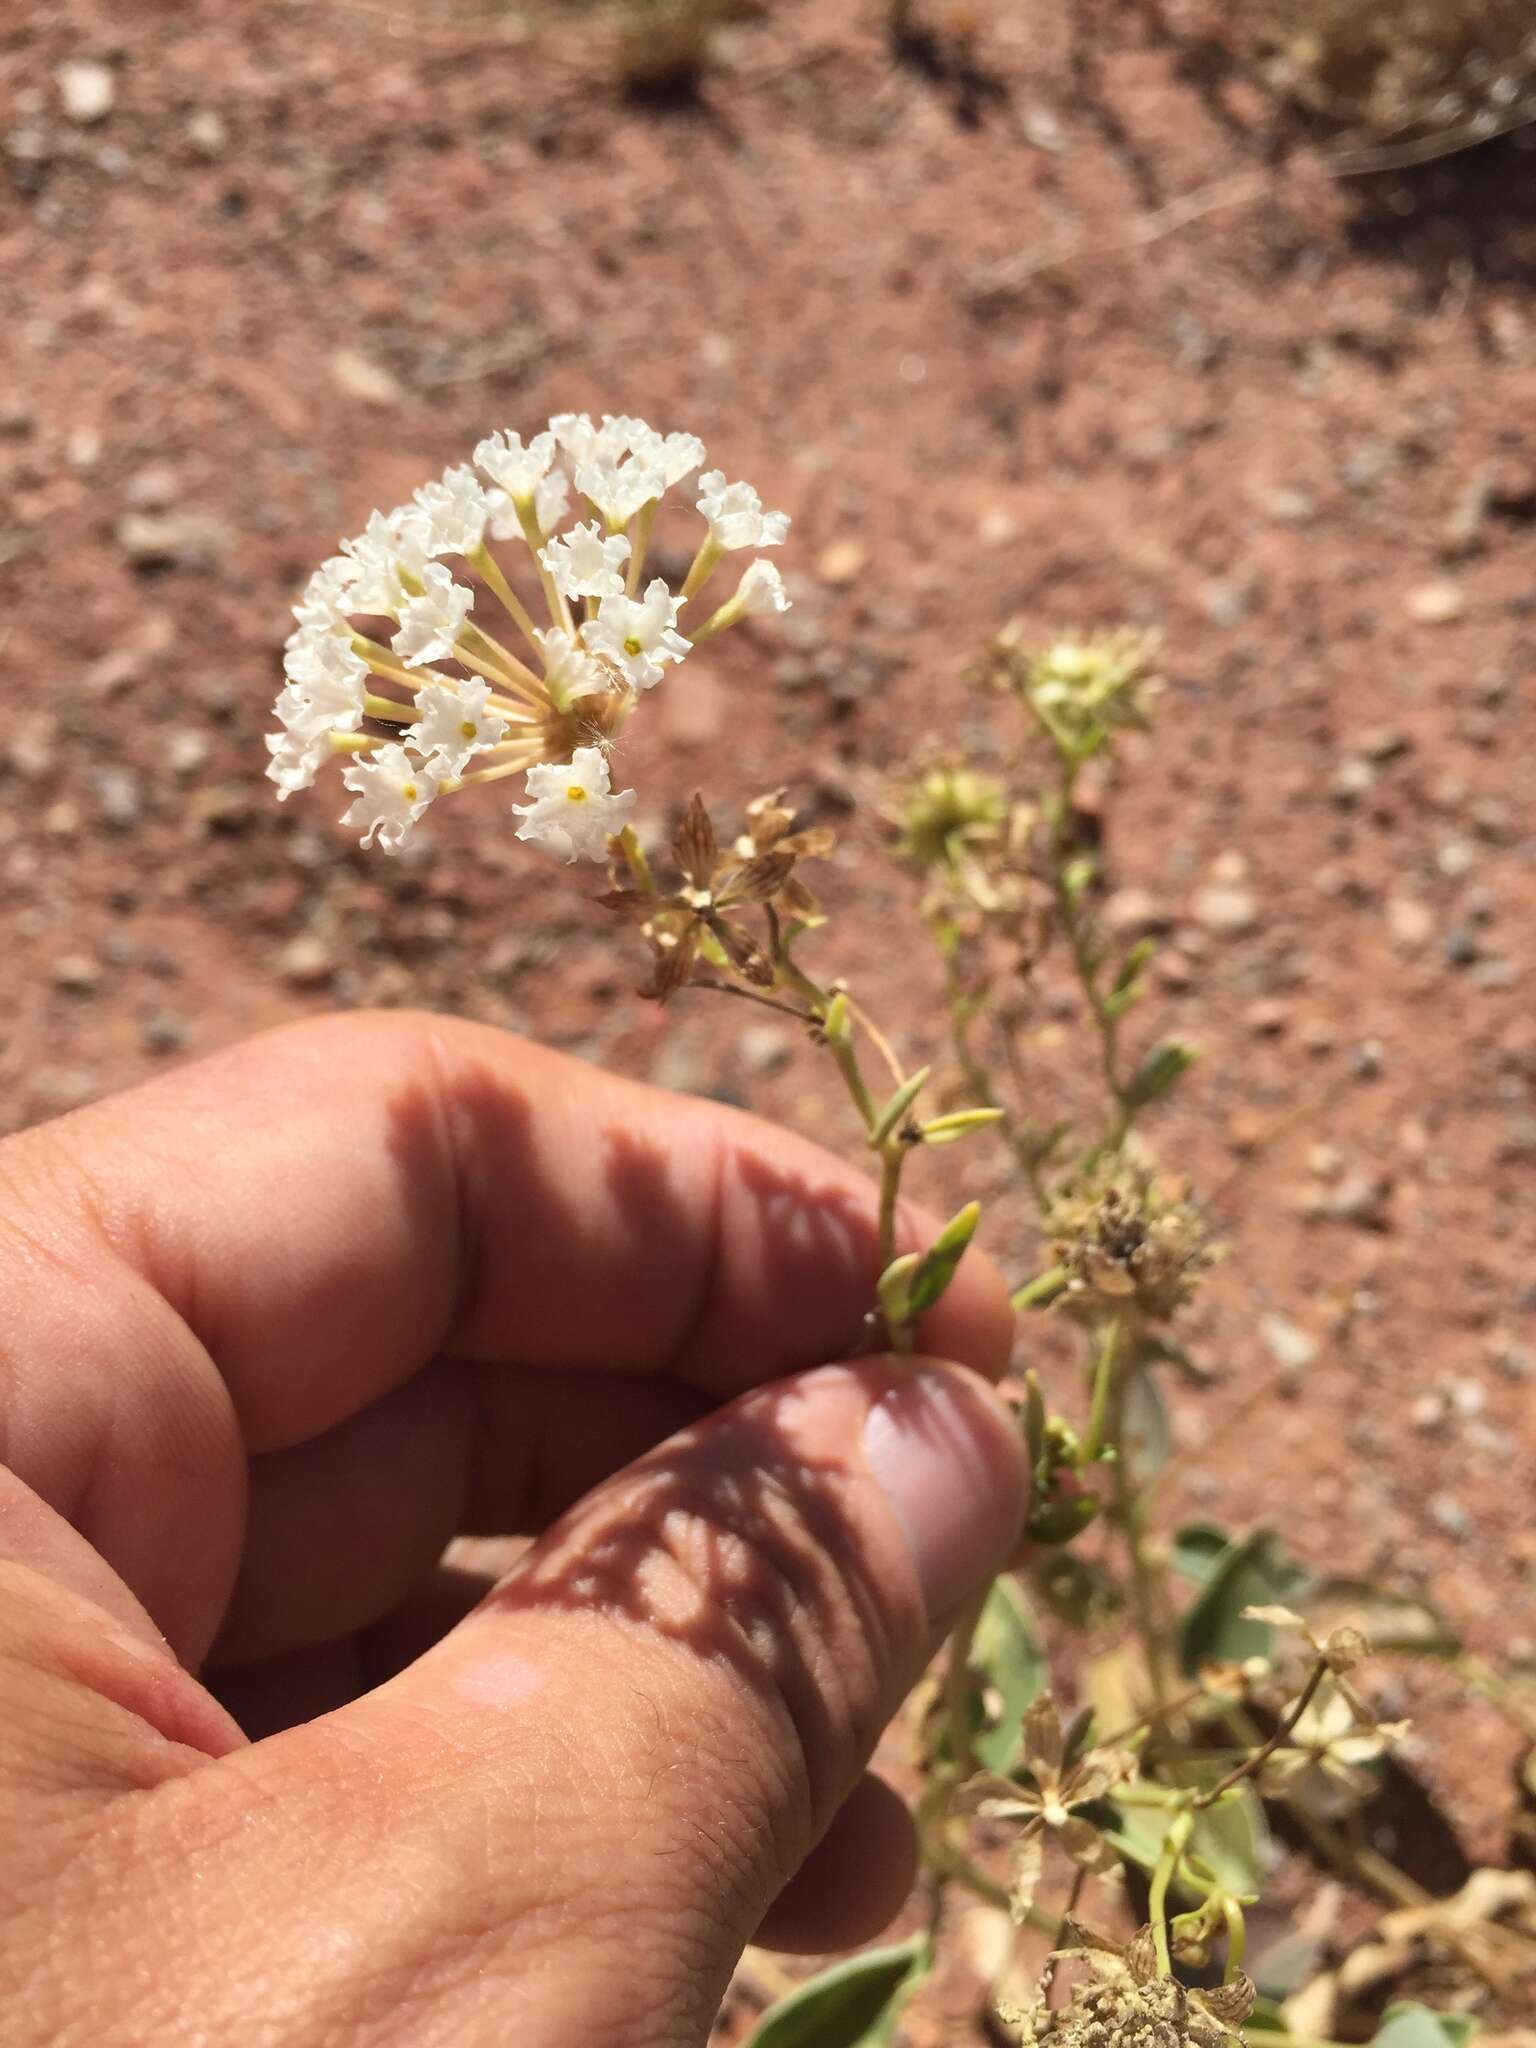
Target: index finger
[331, 1205]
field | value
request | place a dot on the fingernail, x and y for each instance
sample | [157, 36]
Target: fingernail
[950, 1461]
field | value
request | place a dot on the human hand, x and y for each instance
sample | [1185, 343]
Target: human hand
[279, 1327]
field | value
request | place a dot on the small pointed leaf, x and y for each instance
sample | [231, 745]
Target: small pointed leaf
[938, 1264]
[898, 1105]
[894, 1289]
[1162, 1069]
[944, 1130]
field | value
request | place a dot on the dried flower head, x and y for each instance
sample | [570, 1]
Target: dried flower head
[701, 918]
[1124, 1240]
[392, 666]
[1083, 690]
[1129, 2005]
[947, 813]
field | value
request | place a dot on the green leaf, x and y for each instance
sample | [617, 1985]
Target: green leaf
[1122, 999]
[1146, 1436]
[894, 1289]
[937, 1266]
[853, 2005]
[944, 1130]
[1230, 1838]
[1197, 1549]
[1253, 1573]
[1007, 1654]
[1407, 2025]
[1393, 1623]
[1133, 963]
[1162, 1069]
[1041, 1291]
[895, 1110]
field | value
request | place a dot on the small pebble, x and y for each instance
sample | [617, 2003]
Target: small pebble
[1225, 912]
[78, 973]
[1287, 1343]
[87, 90]
[1450, 1515]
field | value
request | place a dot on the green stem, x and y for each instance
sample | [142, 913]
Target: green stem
[1080, 944]
[893, 1158]
[1103, 1387]
[1237, 1938]
[957, 1689]
[1174, 1843]
[1129, 1516]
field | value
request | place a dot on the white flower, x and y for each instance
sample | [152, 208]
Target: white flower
[518, 470]
[639, 635]
[673, 454]
[326, 603]
[552, 500]
[392, 544]
[456, 510]
[736, 516]
[620, 489]
[456, 722]
[325, 672]
[574, 812]
[431, 623]
[296, 760]
[581, 442]
[761, 589]
[585, 562]
[568, 669]
[392, 792]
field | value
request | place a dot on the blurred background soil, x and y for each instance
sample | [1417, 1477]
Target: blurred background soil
[263, 268]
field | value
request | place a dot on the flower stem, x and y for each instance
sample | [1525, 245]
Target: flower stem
[486, 565]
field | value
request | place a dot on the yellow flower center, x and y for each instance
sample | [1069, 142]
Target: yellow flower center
[633, 645]
[470, 730]
[575, 794]
[409, 791]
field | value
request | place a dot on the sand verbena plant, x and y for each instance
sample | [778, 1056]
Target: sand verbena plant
[504, 624]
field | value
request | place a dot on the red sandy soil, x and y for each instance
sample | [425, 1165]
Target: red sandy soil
[308, 258]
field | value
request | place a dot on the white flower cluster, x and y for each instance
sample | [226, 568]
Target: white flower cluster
[390, 668]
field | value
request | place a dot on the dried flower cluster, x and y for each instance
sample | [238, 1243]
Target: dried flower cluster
[1123, 1239]
[389, 668]
[700, 916]
[1128, 2004]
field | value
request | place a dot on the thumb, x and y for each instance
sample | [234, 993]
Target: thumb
[576, 1809]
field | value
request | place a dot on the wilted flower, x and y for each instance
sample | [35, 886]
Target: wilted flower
[701, 917]
[1049, 1806]
[439, 701]
[1123, 1240]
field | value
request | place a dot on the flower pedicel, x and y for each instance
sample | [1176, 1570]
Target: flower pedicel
[389, 668]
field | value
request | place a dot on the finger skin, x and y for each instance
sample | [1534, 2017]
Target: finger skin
[630, 1749]
[235, 1259]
